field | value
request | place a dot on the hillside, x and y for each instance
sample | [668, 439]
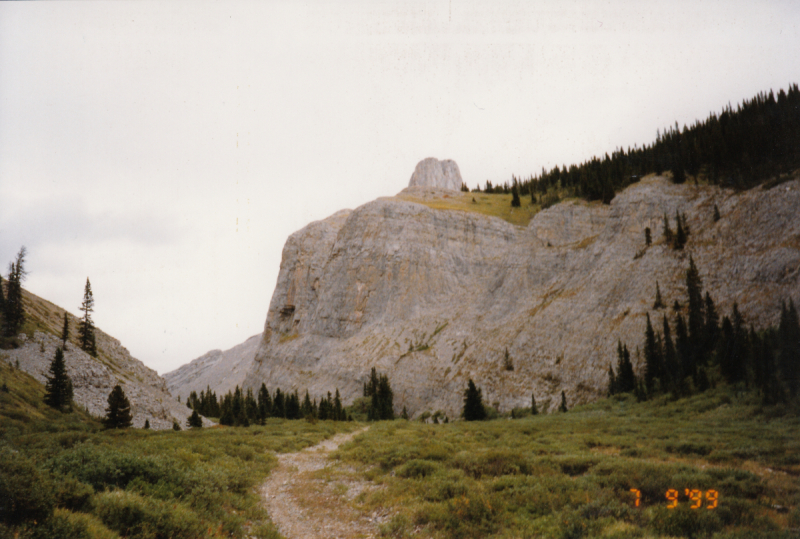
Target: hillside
[221, 371]
[92, 378]
[433, 293]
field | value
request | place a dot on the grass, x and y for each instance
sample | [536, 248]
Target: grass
[495, 205]
[571, 475]
[61, 475]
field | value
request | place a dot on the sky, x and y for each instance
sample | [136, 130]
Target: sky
[166, 150]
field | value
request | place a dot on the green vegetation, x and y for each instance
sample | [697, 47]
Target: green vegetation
[58, 389]
[86, 325]
[118, 413]
[13, 303]
[61, 475]
[571, 475]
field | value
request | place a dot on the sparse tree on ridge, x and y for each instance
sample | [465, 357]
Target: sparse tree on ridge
[118, 413]
[58, 388]
[86, 326]
[14, 305]
[65, 332]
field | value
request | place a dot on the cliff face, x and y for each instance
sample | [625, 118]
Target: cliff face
[433, 297]
[221, 371]
[94, 378]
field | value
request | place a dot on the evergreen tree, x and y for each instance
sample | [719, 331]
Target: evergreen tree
[405, 413]
[789, 345]
[508, 364]
[58, 388]
[279, 404]
[612, 381]
[697, 334]
[515, 202]
[194, 421]
[711, 329]
[534, 409]
[264, 403]
[672, 371]
[680, 234]
[717, 216]
[733, 347]
[652, 357]
[118, 413]
[684, 350]
[563, 406]
[2, 297]
[307, 409]
[473, 403]
[648, 239]
[175, 425]
[625, 379]
[14, 304]
[658, 303]
[147, 424]
[86, 326]
[338, 411]
[65, 332]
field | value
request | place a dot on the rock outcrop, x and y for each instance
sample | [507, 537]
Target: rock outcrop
[431, 172]
[433, 297]
[94, 378]
[218, 370]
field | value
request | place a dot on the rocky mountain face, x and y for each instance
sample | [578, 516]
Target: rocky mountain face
[94, 378]
[433, 297]
[218, 370]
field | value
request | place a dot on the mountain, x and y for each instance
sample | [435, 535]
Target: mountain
[221, 371]
[431, 288]
[93, 378]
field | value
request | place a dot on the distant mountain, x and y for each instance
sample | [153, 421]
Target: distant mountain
[93, 378]
[432, 288]
[221, 371]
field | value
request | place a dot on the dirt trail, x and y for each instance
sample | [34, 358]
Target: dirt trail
[307, 495]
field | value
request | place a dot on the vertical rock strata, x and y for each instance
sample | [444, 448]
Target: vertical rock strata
[433, 297]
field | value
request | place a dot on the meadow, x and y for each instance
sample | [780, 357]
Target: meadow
[714, 465]
[718, 464]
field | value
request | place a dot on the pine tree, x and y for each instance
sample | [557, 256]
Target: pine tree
[534, 409]
[652, 357]
[473, 403]
[194, 421]
[667, 231]
[717, 216]
[118, 413]
[648, 239]
[680, 234]
[65, 332]
[405, 413]
[563, 406]
[58, 389]
[612, 381]
[264, 403]
[307, 409]
[515, 202]
[789, 345]
[672, 371]
[658, 303]
[625, 379]
[2, 297]
[684, 349]
[694, 289]
[147, 424]
[14, 304]
[508, 364]
[86, 326]
[711, 329]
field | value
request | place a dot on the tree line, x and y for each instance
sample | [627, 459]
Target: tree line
[737, 148]
[767, 361]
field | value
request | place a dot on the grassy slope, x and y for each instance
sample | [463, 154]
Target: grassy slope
[495, 205]
[570, 475]
[135, 483]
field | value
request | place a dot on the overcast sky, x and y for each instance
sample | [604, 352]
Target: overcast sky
[166, 150]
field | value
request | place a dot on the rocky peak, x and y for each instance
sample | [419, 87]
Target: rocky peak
[431, 172]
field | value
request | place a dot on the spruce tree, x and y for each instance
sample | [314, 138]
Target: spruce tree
[86, 326]
[307, 409]
[473, 403]
[672, 371]
[563, 406]
[65, 332]
[789, 345]
[118, 413]
[515, 202]
[14, 304]
[612, 381]
[717, 216]
[58, 388]
[625, 379]
[658, 303]
[534, 409]
[648, 239]
[694, 289]
[711, 329]
[652, 357]
[680, 234]
[684, 349]
[264, 403]
[667, 231]
[405, 413]
[147, 424]
[2, 297]
[194, 421]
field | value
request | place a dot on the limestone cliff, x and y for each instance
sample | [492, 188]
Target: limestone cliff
[434, 296]
[93, 378]
[221, 371]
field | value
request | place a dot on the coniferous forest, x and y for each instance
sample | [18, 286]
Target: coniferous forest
[738, 147]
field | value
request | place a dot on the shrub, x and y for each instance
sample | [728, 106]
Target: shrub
[417, 468]
[25, 493]
[685, 522]
[138, 517]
